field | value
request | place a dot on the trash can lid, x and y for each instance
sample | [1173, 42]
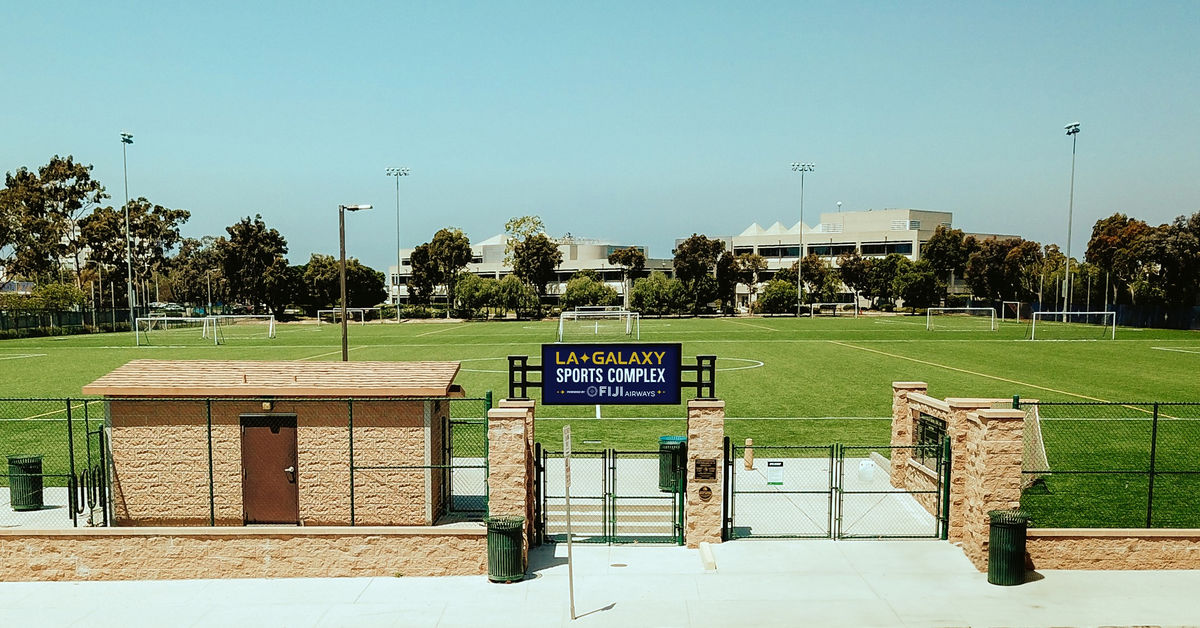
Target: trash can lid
[25, 458]
[505, 522]
[1013, 516]
[672, 439]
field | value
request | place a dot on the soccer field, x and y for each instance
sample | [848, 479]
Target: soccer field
[767, 367]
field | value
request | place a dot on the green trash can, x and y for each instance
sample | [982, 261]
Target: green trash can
[670, 458]
[25, 482]
[506, 558]
[1006, 547]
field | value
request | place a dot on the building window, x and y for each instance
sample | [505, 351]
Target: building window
[743, 250]
[779, 251]
[931, 431]
[885, 248]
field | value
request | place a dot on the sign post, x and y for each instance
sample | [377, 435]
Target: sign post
[567, 495]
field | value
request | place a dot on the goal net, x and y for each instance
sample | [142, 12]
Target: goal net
[175, 330]
[1010, 312]
[353, 314]
[232, 326]
[592, 324]
[834, 309]
[960, 319]
[1073, 326]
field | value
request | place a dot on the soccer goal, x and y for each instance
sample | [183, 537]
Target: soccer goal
[174, 330]
[593, 324]
[1010, 311]
[1073, 326]
[960, 319]
[834, 309]
[352, 313]
[244, 326]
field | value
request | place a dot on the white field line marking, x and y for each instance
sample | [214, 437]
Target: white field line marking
[729, 320]
[321, 355]
[452, 327]
[59, 411]
[975, 373]
[18, 356]
[1176, 350]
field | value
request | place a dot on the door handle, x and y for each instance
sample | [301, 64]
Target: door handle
[291, 471]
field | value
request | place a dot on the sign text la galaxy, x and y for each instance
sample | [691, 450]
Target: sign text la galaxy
[618, 373]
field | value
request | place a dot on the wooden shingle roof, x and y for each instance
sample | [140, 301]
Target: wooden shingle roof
[231, 378]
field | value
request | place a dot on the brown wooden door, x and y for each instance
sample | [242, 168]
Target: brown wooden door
[269, 490]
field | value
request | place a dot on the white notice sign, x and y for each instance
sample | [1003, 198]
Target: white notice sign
[775, 472]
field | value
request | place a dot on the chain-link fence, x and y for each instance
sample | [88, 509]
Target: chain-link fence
[221, 461]
[1112, 465]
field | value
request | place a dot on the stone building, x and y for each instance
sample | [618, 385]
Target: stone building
[233, 443]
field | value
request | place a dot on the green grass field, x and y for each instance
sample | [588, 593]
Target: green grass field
[835, 373]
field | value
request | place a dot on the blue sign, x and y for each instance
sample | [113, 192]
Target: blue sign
[618, 373]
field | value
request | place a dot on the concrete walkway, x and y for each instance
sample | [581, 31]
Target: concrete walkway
[757, 583]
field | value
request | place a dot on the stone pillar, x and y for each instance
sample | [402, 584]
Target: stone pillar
[509, 482]
[903, 427]
[706, 444]
[527, 405]
[993, 451]
[957, 428]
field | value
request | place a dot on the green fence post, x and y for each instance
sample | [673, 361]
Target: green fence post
[487, 397]
[71, 483]
[1016, 402]
[1153, 456]
[946, 488]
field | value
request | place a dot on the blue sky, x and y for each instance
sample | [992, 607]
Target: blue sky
[637, 122]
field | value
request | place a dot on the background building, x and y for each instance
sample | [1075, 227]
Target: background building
[577, 254]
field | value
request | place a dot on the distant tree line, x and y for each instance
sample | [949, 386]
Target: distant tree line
[57, 232]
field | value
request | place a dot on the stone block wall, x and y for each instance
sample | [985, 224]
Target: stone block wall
[992, 475]
[510, 480]
[703, 512]
[1054, 548]
[160, 461]
[256, 552]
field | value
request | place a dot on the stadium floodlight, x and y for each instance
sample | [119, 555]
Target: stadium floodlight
[1073, 131]
[342, 209]
[126, 140]
[802, 168]
[960, 313]
[398, 172]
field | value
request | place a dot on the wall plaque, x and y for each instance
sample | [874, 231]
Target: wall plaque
[705, 493]
[706, 469]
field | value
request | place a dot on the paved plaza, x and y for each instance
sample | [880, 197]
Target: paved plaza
[756, 583]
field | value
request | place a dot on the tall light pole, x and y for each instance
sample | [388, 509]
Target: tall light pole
[398, 172]
[127, 139]
[801, 168]
[342, 209]
[1073, 131]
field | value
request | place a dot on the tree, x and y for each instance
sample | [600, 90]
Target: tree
[820, 279]
[424, 276]
[195, 270]
[632, 262]
[1005, 270]
[1115, 248]
[728, 274]
[778, 297]
[585, 289]
[476, 293]
[946, 252]
[658, 295]
[251, 249]
[695, 259]
[319, 284]
[282, 284]
[449, 252]
[40, 215]
[514, 294]
[535, 260]
[519, 229]
[883, 276]
[855, 271]
[918, 285]
[749, 267]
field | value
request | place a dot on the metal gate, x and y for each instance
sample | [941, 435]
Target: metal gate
[833, 491]
[616, 497]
